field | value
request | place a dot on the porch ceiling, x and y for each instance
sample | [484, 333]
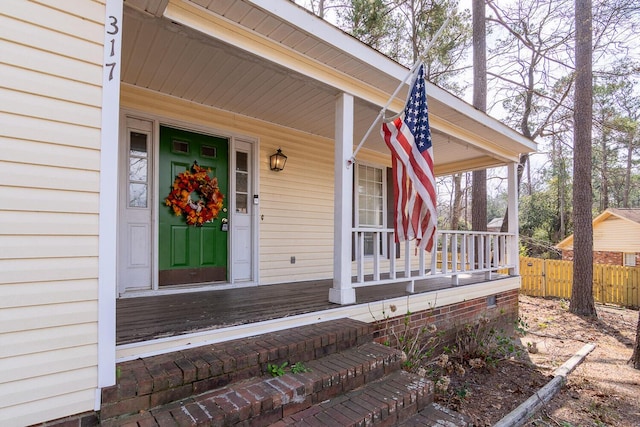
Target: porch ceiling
[171, 57]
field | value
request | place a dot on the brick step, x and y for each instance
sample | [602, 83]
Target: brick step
[436, 415]
[266, 400]
[385, 402]
[157, 380]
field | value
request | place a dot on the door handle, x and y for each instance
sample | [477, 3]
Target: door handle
[225, 220]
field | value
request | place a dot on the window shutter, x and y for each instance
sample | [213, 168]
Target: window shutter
[390, 209]
[353, 212]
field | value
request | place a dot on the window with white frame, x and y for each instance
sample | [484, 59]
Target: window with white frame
[138, 169]
[630, 259]
[370, 203]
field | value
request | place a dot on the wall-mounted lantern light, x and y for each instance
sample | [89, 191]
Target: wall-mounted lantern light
[277, 161]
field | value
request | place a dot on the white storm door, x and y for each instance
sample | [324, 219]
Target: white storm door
[242, 218]
[135, 223]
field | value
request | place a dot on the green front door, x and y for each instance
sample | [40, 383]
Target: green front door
[189, 253]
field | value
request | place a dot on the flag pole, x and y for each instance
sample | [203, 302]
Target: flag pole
[380, 115]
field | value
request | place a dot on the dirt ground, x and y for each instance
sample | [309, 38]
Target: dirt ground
[603, 391]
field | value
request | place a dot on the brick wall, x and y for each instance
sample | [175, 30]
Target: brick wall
[448, 319]
[601, 257]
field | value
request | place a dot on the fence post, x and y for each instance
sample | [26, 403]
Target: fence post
[595, 286]
[603, 288]
[544, 278]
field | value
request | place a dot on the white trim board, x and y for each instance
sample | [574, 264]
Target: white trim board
[108, 208]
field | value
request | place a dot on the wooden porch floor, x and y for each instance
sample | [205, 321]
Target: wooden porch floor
[159, 316]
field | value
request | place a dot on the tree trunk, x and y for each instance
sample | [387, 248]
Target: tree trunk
[627, 174]
[604, 183]
[635, 359]
[321, 9]
[479, 180]
[529, 185]
[582, 292]
[457, 202]
[557, 172]
[479, 201]
[558, 166]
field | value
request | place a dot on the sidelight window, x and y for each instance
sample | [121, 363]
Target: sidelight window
[138, 170]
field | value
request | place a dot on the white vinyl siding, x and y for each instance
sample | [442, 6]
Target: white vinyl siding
[26, 104]
[41, 293]
[32, 318]
[297, 204]
[63, 360]
[615, 234]
[47, 340]
[61, 156]
[41, 223]
[16, 393]
[49, 191]
[66, 135]
[69, 403]
[45, 177]
[47, 269]
[12, 247]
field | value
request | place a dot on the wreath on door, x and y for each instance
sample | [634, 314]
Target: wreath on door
[195, 182]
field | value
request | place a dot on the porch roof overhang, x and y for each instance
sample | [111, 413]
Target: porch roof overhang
[275, 61]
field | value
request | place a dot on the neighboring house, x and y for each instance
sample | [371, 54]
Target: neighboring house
[103, 104]
[495, 224]
[616, 238]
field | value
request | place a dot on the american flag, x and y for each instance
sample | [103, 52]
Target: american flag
[409, 138]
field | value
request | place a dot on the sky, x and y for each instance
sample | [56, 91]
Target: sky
[537, 161]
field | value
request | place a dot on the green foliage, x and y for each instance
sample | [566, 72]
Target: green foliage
[299, 368]
[277, 370]
[417, 342]
[540, 224]
[462, 392]
[497, 205]
[482, 343]
[402, 30]
[615, 139]
[370, 21]
[521, 326]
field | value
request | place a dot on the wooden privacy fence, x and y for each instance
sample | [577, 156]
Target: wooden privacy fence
[612, 284]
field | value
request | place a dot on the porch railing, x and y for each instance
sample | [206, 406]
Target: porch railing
[379, 260]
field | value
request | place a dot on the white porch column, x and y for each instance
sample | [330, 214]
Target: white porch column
[513, 250]
[108, 207]
[342, 291]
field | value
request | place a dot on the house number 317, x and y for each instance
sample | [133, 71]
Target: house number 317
[112, 29]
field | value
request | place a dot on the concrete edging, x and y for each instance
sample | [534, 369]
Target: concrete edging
[522, 413]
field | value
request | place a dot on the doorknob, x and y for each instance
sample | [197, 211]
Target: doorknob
[225, 220]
